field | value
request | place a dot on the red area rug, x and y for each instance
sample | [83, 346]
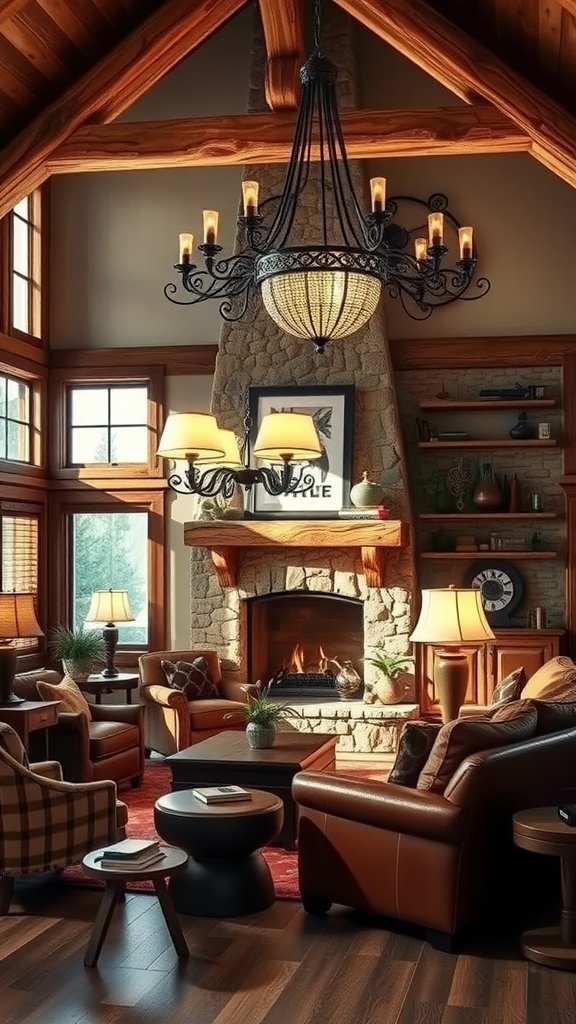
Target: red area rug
[140, 802]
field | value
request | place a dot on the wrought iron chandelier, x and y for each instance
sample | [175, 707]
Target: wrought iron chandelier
[217, 464]
[330, 289]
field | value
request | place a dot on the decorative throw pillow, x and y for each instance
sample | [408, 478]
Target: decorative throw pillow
[553, 680]
[456, 740]
[415, 743]
[509, 688]
[69, 693]
[192, 677]
[554, 715]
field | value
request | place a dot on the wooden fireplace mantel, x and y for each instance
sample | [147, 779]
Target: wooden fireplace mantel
[226, 539]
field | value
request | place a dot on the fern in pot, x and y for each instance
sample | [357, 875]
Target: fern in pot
[392, 685]
[261, 714]
[80, 650]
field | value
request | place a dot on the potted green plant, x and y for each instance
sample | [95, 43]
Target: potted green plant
[391, 687]
[79, 650]
[262, 714]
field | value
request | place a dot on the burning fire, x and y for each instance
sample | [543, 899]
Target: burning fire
[296, 663]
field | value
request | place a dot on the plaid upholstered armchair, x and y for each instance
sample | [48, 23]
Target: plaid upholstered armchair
[47, 824]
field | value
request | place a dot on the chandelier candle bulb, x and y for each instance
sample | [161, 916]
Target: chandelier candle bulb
[250, 191]
[436, 228]
[378, 193]
[465, 239]
[186, 246]
[421, 248]
[210, 226]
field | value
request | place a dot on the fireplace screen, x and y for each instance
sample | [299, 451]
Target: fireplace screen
[300, 640]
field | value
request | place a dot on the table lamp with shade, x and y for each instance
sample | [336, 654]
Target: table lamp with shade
[449, 618]
[110, 607]
[17, 621]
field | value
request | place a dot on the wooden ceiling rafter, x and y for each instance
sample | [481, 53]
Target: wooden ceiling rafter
[283, 27]
[569, 5]
[129, 70]
[267, 138]
[470, 70]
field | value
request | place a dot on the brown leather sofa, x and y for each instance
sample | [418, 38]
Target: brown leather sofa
[439, 860]
[173, 723]
[111, 746]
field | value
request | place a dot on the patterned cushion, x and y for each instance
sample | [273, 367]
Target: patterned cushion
[69, 693]
[556, 679]
[456, 740]
[416, 742]
[509, 688]
[193, 678]
[12, 744]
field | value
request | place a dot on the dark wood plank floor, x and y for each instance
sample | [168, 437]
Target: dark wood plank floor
[277, 967]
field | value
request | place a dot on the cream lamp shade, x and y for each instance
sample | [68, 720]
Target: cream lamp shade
[231, 457]
[191, 435]
[449, 618]
[287, 435]
[109, 606]
[452, 616]
[17, 620]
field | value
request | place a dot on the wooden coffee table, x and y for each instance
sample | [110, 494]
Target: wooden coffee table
[227, 759]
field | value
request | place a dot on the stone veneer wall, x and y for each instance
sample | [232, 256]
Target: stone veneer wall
[254, 352]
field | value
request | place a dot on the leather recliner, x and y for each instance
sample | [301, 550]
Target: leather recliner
[439, 860]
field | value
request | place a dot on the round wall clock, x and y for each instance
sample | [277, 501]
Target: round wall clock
[501, 587]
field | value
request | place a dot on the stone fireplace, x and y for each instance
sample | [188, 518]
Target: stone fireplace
[360, 574]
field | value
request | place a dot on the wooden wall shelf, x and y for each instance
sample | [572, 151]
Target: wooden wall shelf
[438, 517]
[450, 405]
[505, 555]
[226, 539]
[488, 443]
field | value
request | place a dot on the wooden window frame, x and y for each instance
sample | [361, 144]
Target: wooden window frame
[15, 508]
[34, 277]
[61, 505]
[37, 386]
[61, 380]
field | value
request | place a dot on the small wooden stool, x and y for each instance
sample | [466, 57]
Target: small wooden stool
[173, 861]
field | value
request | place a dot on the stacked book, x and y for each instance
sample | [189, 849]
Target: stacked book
[367, 512]
[131, 854]
[221, 794]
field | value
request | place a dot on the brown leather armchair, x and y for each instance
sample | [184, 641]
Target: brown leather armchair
[110, 746]
[171, 722]
[439, 860]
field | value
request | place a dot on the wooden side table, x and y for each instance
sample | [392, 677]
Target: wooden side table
[541, 831]
[97, 685]
[29, 716]
[174, 861]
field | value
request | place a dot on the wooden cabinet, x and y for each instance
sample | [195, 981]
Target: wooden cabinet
[487, 664]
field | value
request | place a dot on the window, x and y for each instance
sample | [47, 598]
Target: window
[15, 426]
[107, 424]
[110, 550]
[25, 258]
[19, 559]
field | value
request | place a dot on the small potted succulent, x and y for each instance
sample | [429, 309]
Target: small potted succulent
[392, 686]
[79, 650]
[261, 714]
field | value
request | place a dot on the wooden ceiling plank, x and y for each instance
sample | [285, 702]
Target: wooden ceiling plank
[8, 8]
[570, 6]
[135, 65]
[267, 138]
[283, 26]
[23, 83]
[88, 39]
[457, 61]
[41, 41]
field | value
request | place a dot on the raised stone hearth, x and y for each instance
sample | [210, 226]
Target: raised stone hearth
[361, 728]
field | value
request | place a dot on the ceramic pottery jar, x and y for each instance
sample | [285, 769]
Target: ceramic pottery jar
[367, 493]
[260, 737]
[488, 495]
[523, 430]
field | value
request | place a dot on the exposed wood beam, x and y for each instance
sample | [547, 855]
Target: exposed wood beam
[283, 26]
[267, 138]
[8, 8]
[134, 66]
[469, 69]
[570, 6]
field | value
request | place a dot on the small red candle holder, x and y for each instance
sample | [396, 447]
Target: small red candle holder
[383, 513]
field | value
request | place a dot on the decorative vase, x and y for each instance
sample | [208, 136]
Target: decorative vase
[487, 495]
[391, 689]
[347, 683]
[366, 494]
[260, 737]
[523, 429]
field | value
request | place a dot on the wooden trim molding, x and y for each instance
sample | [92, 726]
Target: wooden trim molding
[175, 359]
[468, 353]
[226, 538]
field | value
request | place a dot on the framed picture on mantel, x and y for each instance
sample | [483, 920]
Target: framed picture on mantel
[328, 487]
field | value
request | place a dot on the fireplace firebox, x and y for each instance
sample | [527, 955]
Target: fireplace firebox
[299, 639]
